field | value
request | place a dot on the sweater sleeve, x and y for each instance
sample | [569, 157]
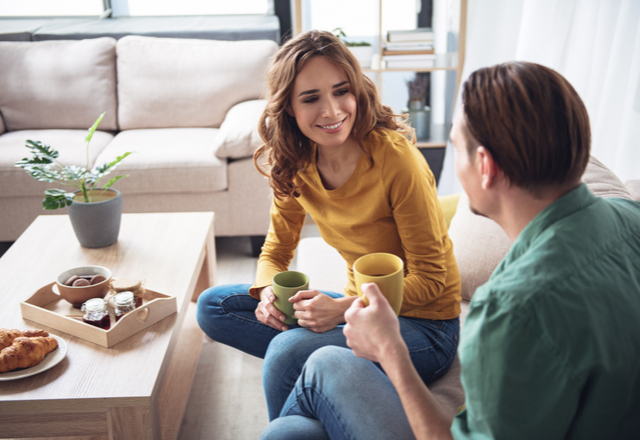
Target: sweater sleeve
[413, 198]
[287, 220]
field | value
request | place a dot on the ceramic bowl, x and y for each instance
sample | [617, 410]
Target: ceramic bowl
[79, 294]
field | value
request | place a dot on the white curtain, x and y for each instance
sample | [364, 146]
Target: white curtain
[595, 44]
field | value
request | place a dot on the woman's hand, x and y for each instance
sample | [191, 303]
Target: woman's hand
[319, 312]
[267, 313]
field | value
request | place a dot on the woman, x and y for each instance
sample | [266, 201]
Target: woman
[333, 151]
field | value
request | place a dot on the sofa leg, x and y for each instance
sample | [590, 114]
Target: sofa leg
[256, 244]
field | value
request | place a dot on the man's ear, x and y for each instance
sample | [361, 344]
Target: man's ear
[487, 167]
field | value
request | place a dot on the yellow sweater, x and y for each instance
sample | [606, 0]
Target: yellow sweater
[388, 206]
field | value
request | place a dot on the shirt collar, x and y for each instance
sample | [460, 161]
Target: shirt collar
[573, 201]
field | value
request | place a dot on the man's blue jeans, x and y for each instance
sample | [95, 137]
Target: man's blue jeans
[227, 315]
[357, 402]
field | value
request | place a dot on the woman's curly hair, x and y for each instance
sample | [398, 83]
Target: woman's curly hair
[286, 150]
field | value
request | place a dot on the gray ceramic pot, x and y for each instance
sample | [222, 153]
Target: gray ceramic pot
[97, 224]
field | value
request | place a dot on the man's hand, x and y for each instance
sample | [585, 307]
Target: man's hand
[319, 312]
[267, 313]
[372, 329]
[373, 332]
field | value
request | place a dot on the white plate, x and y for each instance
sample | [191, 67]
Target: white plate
[50, 360]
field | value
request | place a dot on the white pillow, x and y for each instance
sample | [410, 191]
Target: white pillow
[238, 135]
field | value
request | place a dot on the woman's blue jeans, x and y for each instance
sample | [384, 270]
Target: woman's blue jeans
[227, 315]
[358, 403]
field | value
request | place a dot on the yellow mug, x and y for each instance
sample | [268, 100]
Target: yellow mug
[387, 271]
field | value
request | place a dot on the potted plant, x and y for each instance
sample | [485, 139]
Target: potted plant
[362, 50]
[94, 211]
[419, 113]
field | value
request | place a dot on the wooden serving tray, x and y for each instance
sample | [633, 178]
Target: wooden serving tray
[48, 308]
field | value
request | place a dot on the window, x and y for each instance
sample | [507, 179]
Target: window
[191, 7]
[39, 8]
[359, 20]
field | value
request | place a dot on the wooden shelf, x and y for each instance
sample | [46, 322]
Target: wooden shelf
[444, 61]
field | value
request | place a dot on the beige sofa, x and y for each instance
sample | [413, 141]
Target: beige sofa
[187, 108]
[479, 245]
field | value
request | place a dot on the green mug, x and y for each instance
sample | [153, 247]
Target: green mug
[285, 285]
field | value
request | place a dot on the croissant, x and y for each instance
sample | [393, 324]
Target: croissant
[7, 336]
[26, 352]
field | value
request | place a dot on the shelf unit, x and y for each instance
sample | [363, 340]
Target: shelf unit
[451, 61]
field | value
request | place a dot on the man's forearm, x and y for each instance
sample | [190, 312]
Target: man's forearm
[427, 417]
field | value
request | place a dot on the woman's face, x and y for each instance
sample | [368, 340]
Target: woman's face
[323, 103]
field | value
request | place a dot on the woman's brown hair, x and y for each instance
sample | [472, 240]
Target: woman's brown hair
[286, 150]
[531, 120]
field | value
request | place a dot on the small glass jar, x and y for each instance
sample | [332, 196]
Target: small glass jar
[96, 313]
[130, 285]
[125, 303]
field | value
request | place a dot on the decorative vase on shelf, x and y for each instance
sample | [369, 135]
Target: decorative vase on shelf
[419, 118]
[363, 54]
[96, 224]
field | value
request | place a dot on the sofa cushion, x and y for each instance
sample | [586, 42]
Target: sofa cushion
[238, 137]
[58, 84]
[633, 186]
[69, 143]
[174, 82]
[603, 182]
[167, 160]
[479, 244]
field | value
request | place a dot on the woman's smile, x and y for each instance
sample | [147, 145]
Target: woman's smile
[333, 128]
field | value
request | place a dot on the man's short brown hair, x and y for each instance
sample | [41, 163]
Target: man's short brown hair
[532, 122]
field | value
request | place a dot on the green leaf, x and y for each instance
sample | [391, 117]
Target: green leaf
[94, 127]
[56, 198]
[118, 159]
[112, 181]
[338, 32]
[36, 160]
[106, 168]
[38, 149]
[43, 173]
[73, 172]
[41, 155]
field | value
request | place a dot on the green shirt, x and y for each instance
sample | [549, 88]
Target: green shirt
[550, 348]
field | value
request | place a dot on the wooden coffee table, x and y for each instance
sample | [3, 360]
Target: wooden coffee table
[138, 388]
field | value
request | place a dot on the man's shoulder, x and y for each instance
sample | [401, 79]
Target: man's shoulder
[582, 267]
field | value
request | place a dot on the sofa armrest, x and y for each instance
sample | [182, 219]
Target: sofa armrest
[634, 188]
[238, 136]
[2, 127]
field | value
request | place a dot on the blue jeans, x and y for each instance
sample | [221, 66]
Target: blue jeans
[227, 315]
[357, 402]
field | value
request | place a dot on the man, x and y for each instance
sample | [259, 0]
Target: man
[551, 345]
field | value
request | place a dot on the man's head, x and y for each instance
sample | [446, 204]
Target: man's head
[530, 121]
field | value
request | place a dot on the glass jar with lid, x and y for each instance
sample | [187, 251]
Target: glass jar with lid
[96, 313]
[125, 303]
